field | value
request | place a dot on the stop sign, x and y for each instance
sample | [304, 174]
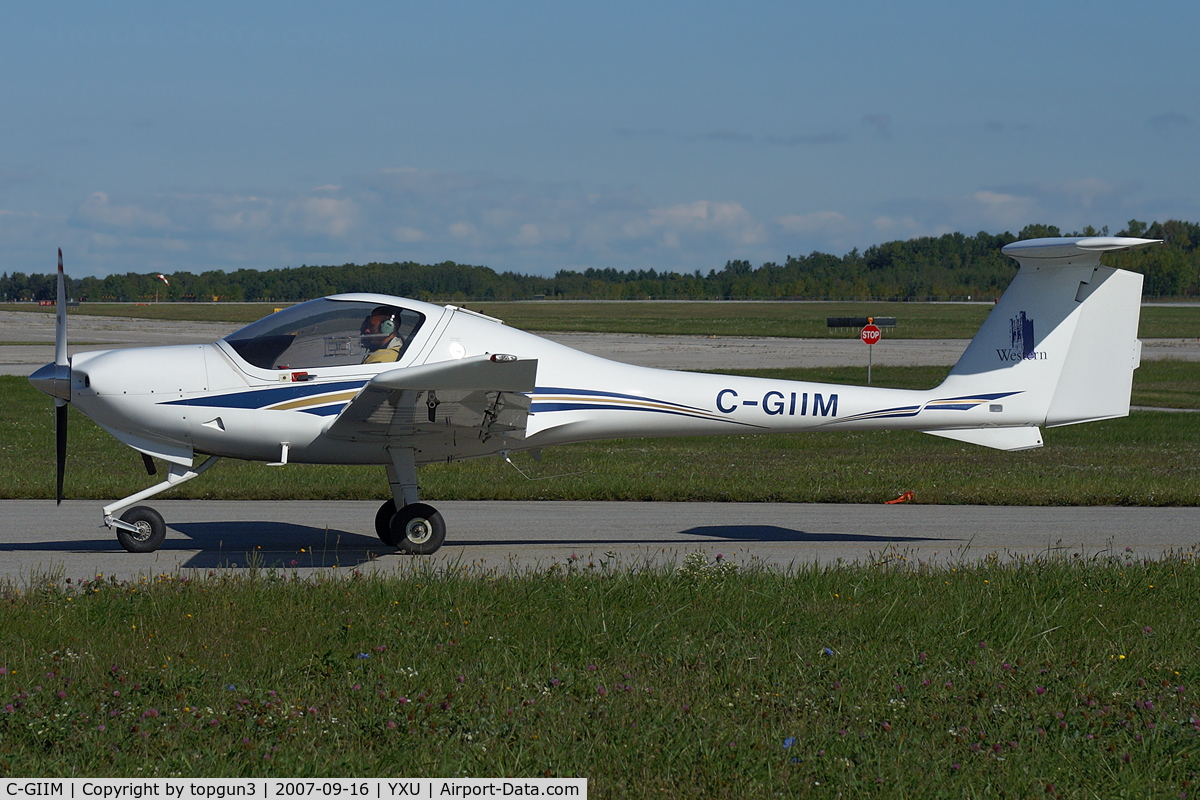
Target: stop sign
[870, 334]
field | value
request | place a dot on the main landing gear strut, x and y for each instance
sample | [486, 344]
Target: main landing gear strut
[404, 522]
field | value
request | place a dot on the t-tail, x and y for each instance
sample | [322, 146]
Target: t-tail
[1059, 347]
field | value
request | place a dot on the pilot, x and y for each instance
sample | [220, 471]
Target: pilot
[379, 336]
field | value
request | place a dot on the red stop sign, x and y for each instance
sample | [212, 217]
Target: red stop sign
[870, 334]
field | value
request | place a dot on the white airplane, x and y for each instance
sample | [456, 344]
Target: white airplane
[374, 379]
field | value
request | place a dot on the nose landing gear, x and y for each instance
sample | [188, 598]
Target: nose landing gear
[141, 529]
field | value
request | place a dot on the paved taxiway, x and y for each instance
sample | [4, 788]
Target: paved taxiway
[305, 535]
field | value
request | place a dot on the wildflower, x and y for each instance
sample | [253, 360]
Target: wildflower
[827, 651]
[789, 741]
[363, 655]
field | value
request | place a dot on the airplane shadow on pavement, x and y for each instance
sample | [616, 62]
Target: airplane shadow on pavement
[237, 544]
[272, 544]
[774, 533]
[706, 533]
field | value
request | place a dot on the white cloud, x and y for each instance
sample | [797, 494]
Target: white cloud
[890, 226]
[408, 235]
[324, 216]
[463, 230]
[97, 210]
[674, 223]
[529, 236]
[818, 222]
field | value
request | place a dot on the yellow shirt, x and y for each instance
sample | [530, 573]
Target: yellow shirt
[382, 356]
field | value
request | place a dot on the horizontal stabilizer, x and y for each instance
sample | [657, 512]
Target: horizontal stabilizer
[1063, 252]
[1022, 438]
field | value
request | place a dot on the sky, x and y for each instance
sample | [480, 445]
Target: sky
[533, 137]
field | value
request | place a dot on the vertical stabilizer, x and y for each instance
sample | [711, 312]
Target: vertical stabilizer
[1062, 340]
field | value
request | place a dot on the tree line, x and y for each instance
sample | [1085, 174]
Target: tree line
[943, 267]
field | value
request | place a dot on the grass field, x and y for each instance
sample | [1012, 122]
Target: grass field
[792, 319]
[1048, 677]
[1149, 458]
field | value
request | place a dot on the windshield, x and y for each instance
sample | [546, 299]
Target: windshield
[327, 333]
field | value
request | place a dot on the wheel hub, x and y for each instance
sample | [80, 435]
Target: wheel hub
[418, 531]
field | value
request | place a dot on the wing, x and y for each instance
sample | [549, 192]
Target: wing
[447, 410]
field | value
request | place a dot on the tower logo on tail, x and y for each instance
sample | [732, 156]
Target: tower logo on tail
[1022, 341]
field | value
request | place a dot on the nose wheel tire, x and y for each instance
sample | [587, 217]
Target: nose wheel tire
[151, 530]
[383, 522]
[418, 529]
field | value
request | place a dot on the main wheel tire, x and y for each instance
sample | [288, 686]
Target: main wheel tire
[383, 522]
[151, 530]
[418, 529]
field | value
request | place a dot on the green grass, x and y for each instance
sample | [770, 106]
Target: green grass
[795, 319]
[1149, 458]
[1063, 677]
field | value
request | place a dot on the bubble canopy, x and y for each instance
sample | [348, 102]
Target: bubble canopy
[320, 333]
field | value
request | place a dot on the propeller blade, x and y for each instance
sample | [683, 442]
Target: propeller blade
[60, 442]
[62, 370]
[60, 317]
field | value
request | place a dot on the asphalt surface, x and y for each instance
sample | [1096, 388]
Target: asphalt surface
[40, 538]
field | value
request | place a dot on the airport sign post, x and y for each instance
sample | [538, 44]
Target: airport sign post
[870, 334]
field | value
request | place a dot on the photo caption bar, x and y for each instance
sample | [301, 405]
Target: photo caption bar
[279, 788]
